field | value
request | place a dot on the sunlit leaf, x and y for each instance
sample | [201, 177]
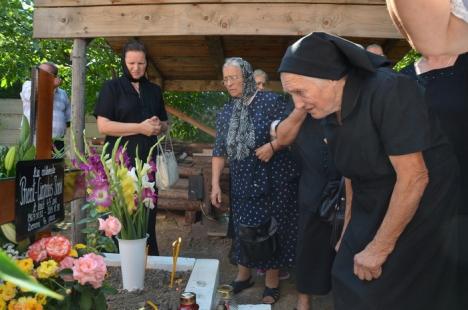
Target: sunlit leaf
[10, 272]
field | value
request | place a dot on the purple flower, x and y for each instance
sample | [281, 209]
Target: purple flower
[149, 196]
[126, 159]
[152, 171]
[101, 196]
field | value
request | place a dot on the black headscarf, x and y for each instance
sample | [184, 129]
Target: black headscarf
[326, 56]
[125, 70]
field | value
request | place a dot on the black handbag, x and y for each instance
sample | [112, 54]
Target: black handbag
[332, 207]
[258, 242]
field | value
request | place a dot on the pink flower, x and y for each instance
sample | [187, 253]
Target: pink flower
[57, 247]
[37, 251]
[111, 226]
[90, 269]
[67, 263]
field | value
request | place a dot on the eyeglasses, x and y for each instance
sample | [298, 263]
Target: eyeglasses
[231, 79]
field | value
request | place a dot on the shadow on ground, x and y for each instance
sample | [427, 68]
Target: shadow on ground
[196, 243]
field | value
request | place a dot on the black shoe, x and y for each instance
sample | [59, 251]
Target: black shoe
[272, 292]
[239, 286]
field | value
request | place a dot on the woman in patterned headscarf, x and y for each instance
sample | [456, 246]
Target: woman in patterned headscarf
[263, 177]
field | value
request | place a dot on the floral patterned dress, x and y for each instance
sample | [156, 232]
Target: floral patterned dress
[260, 190]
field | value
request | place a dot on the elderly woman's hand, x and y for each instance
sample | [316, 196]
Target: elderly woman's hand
[216, 196]
[368, 263]
[265, 152]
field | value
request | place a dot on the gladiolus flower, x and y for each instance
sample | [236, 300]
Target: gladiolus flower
[101, 197]
[128, 188]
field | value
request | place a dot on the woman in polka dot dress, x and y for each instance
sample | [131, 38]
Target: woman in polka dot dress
[263, 177]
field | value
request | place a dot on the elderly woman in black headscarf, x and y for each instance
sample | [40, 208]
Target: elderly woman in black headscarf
[132, 107]
[263, 177]
[397, 251]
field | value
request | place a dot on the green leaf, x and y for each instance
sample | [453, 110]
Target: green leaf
[100, 302]
[88, 230]
[86, 220]
[10, 272]
[108, 290]
[86, 300]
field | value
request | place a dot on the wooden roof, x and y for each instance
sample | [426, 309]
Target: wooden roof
[188, 40]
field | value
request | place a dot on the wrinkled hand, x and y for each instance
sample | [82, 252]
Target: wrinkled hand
[216, 196]
[368, 263]
[265, 152]
[151, 126]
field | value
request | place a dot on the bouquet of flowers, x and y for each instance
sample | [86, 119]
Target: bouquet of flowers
[116, 187]
[74, 272]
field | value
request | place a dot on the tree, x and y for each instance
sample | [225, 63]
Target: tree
[19, 52]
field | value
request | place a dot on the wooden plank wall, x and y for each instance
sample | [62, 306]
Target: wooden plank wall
[11, 111]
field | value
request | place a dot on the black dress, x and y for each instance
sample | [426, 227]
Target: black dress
[314, 254]
[384, 114]
[119, 101]
[260, 190]
[447, 95]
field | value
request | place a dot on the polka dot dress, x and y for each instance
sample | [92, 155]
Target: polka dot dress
[260, 190]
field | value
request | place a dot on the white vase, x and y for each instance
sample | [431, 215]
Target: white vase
[133, 263]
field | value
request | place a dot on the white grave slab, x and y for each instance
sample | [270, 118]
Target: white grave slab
[254, 307]
[203, 279]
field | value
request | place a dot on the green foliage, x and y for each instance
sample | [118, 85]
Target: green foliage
[10, 272]
[202, 106]
[407, 60]
[19, 52]
[95, 240]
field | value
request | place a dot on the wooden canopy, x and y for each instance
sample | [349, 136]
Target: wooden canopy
[189, 40]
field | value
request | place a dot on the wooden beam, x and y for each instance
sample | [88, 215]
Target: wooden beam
[213, 19]
[78, 121]
[190, 120]
[209, 85]
[62, 3]
[215, 46]
[154, 74]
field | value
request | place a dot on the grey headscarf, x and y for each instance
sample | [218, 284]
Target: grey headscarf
[241, 132]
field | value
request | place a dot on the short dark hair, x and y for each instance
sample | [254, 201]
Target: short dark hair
[53, 67]
[133, 45]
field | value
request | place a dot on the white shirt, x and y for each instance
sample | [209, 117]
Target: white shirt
[460, 9]
[61, 111]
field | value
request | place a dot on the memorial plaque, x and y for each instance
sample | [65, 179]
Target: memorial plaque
[39, 195]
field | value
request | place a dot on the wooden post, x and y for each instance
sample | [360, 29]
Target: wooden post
[78, 121]
[44, 108]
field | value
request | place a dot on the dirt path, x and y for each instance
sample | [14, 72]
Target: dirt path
[196, 243]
